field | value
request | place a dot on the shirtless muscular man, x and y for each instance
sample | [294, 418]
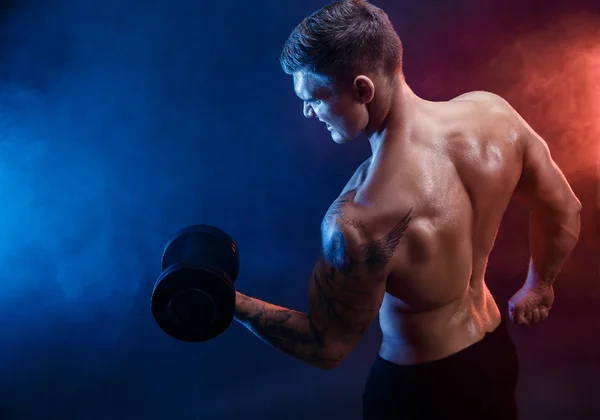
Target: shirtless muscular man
[409, 237]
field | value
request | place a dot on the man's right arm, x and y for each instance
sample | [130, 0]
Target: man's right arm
[554, 210]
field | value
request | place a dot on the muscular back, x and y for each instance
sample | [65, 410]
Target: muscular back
[454, 176]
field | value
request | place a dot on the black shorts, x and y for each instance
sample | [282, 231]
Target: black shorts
[476, 383]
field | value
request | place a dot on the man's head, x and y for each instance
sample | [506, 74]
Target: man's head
[340, 57]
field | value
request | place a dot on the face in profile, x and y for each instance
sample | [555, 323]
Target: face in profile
[343, 110]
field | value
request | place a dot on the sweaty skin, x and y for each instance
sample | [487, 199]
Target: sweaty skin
[457, 173]
[410, 235]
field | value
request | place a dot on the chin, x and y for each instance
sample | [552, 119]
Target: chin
[340, 139]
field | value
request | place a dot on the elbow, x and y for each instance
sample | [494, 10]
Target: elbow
[574, 206]
[329, 364]
[572, 221]
[575, 212]
[567, 211]
[332, 355]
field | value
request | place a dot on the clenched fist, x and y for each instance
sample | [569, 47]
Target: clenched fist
[531, 304]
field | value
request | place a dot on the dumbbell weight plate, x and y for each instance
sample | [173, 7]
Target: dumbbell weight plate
[213, 244]
[194, 298]
[193, 303]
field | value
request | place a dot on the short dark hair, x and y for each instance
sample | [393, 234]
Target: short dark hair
[342, 40]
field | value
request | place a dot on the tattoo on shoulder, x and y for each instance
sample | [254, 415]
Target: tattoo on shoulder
[336, 211]
[376, 254]
[371, 256]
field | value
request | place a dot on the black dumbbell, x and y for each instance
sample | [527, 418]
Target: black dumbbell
[194, 298]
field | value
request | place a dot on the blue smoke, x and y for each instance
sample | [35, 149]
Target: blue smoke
[120, 123]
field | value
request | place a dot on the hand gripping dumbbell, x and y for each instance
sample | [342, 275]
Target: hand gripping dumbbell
[194, 298]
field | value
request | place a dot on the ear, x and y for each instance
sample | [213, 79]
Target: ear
[364, 89]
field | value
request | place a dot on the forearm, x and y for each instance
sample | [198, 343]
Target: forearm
[284, 329]
[552, 237]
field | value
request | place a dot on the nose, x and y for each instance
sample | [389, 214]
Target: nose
[308, 110]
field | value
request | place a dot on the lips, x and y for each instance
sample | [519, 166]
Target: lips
[327, 125]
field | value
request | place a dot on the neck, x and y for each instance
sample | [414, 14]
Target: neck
[392, 115]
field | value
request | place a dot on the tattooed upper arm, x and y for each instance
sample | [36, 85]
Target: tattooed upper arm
[349, 279]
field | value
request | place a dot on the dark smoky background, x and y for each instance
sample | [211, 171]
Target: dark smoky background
[121, 122]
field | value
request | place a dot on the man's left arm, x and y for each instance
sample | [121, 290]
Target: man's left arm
[346, 291]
